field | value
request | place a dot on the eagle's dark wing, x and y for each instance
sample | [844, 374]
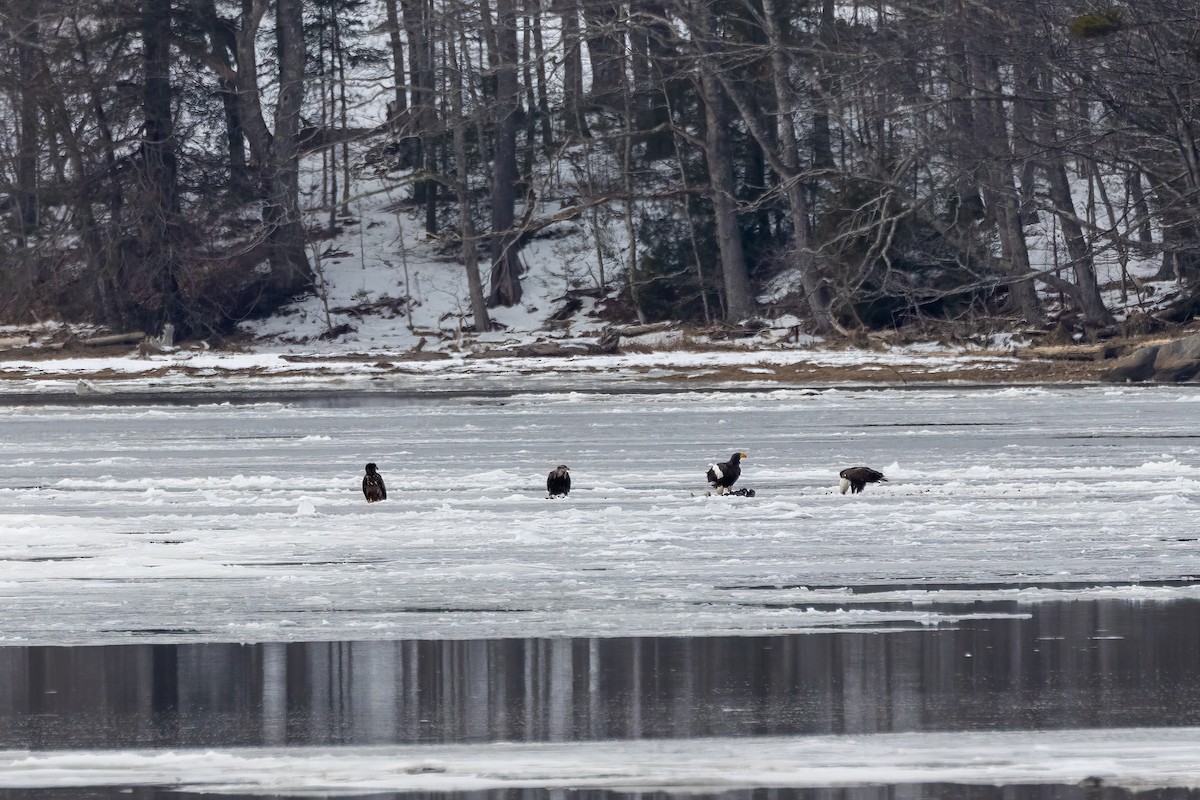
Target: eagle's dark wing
[373, 488]
[558, 482]
[856, 478]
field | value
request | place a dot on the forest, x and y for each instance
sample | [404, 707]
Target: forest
[1032, 165]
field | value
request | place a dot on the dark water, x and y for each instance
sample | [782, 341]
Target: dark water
[1077, 664]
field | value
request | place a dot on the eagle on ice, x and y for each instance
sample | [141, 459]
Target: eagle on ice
[373, 488]
[558, 482]
[722, 476]
[856, 478]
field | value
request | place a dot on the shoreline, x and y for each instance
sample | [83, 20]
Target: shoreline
[203, 372]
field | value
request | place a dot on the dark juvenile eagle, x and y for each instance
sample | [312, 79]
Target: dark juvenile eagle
[722, 476]
[558, 482]
[856, 478]
[373, 488]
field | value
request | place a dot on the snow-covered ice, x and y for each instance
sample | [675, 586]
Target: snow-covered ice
[224, 522]
[1135, 759]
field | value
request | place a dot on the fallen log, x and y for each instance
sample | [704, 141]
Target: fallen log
[629, 331]
[115, 338]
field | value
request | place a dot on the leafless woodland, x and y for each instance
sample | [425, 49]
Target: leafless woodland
[897, 159]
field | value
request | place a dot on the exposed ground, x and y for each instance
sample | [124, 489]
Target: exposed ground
[663, 358]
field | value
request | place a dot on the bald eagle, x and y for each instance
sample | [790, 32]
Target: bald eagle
[373, 488]
[722, 476]
[558, 482]
[856, 478]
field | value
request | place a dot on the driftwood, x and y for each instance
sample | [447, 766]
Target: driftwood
[421, 355]
[1098, 351]
[629, 331]
[1083, 352]
[115, 338]
[14, 341]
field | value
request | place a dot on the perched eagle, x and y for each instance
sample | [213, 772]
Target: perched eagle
[856, 478]
[373, 488]
[558, 482]
[722, 477]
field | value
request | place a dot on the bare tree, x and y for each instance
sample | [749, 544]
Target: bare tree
[739, 302]
[462, 186]
[506, 267]
[26, 41]
[160, 236]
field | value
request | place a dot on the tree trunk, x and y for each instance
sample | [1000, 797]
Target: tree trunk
[418, 23]
[258, 135]
[398, 107]
[1087, 294]
[543, 93]
[222, 42]
[28, 132]
[816, 291]
[462, 190]
[1091, 303]
[1141, 209]
[159, 231]
[606, 50]
[289, 261]
[83, 218]
[505, 279]
[573, 117]
[649, 68]
[998, 183]
[968, 206]
[822, 137]
[530, 93]
[739, 304]
[1023, 145]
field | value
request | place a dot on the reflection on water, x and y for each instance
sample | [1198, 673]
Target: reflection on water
[1079, 664]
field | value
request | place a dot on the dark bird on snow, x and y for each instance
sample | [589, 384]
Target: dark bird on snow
[722, 476]
[856, 478]
[558, 482]
[373, 488]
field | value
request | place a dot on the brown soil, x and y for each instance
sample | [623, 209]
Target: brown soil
[1049, 364]
[1021, 372]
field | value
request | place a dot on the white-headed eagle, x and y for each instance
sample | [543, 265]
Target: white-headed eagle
[722, 476]
[856, 478]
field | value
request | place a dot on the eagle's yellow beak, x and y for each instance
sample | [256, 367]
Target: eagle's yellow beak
[745, 456]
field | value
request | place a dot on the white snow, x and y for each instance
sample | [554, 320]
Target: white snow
[1135, 759]
[384, 371]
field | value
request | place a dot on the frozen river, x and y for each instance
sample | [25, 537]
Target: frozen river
[209, 575]
[246, 522]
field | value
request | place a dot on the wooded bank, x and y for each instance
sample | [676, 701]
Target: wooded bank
[948, 159]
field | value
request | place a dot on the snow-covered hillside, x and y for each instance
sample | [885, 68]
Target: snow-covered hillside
[384, 285]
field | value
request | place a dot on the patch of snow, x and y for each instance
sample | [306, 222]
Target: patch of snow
[1135, 759]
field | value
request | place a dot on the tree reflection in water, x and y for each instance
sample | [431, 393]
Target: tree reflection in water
[1070, 664]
